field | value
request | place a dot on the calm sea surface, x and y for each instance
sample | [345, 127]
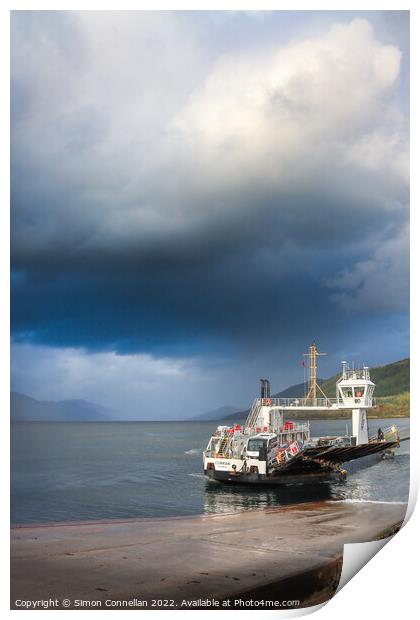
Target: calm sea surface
[79, 471]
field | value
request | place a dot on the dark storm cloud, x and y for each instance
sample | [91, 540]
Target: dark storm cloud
[175, 197]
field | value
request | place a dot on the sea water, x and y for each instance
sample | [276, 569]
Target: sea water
[117, 470]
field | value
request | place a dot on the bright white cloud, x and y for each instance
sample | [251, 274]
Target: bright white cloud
[132, 138]
[272, 114]
[137, 127]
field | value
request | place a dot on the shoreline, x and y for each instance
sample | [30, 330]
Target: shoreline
[268, 553]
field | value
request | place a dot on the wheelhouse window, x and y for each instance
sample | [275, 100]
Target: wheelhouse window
[348, 392]
[254, 445]
[359, 392]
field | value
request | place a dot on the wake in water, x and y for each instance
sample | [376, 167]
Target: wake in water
[366, 501]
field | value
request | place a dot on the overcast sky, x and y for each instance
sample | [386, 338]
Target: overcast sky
[196, 196]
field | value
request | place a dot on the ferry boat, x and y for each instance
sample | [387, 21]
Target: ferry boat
[269, 449]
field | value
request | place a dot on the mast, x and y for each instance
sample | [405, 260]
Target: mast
[312, 380]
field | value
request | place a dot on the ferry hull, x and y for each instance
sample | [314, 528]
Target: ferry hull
[284, 479]
[226, 477]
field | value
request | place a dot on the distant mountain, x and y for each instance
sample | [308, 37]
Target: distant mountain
[391, 380]
[235, 417]
[295, 391]
[217, 414]
[26, 409]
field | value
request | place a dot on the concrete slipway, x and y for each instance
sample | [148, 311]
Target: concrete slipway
[287, 553]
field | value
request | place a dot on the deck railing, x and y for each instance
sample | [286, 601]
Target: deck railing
[315, 403]
[390, 433]
[298, 402]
